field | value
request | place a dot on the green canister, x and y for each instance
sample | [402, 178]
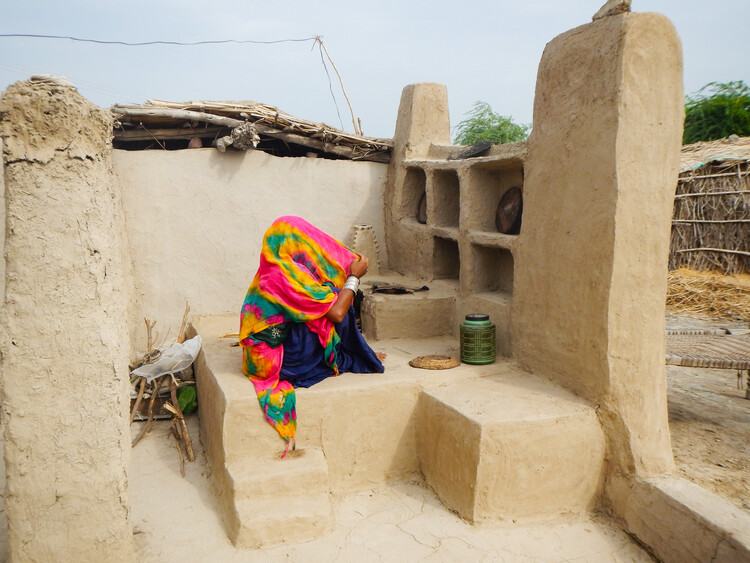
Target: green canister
[477, 340]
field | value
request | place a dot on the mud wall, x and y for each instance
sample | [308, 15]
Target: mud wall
[64, 335]
[196, 219]
[592, 258]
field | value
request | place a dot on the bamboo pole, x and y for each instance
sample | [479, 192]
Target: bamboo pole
[714, 222]
[720, 175]
[703, 194]
[740, 252]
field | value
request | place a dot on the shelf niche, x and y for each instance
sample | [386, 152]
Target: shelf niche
[415, 182]
[489, 184]
[493, 269]
[446, 262]
[446, 198]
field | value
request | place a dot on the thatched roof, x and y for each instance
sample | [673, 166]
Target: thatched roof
[168, 121]
[730, 149]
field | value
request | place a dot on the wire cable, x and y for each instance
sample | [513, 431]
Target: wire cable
[143, 43]
[330, 84]
[316, 39]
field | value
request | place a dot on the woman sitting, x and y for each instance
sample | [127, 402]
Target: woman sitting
[297, 323]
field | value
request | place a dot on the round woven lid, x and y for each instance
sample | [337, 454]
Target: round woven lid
[434, 361]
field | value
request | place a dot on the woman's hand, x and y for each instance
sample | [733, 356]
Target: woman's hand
[358, 268]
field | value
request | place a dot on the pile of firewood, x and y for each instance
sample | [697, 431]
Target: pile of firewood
[162, 391]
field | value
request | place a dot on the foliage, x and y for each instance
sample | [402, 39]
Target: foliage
[483, 124]
[716, 111]
[188, 399]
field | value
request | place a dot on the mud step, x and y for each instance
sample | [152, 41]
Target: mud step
[281, 518]
[275, 499]
[302, 472]
[510, 446]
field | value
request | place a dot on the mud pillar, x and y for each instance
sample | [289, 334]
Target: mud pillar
[423, 119]
[64, 336]
[591, 272]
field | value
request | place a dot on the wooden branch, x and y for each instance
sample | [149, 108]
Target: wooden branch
[138, 400]
[689, 178]
[321, 145]
[150, 339]
[186, 115]
[177, 437]
[742, 253]
[182, 459]
[172, 427]
[183, 325]
[701, 194]
[189, 115]
[150, 422]
[722, 222]
[319, 39]
[167, 134]
[181, 419]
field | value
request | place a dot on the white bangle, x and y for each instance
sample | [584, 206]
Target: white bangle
[352, 283]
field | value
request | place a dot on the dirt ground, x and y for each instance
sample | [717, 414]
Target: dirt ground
[709, 419]
[710, 426]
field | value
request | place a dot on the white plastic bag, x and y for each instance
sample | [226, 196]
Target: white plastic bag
[175, 358]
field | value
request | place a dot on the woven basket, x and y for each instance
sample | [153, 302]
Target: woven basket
[434, 361]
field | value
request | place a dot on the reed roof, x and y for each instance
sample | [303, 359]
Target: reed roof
[723, 150]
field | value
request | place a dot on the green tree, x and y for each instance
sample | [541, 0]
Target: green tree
[483, 124]
[716, 111]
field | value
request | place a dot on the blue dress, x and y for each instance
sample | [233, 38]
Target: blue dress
[304, 364]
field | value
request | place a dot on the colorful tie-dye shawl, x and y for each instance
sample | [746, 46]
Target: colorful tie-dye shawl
[299, 267]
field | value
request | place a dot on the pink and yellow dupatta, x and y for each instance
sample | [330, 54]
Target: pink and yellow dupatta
[299, 267]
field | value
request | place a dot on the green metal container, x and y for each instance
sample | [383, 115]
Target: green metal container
[477, 340]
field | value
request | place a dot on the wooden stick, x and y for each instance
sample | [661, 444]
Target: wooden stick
[716, 250]
[319, 39]
[689, 178]
[271, 116]
[702, 194]
[173, 427]
[166, 134]
[189, 115]
[138, 400]
[183, 325]
[150, 341]
[182, 460]
[177, 436]
[180, 416]
[154, 138]
[725, 221]
[150, 421]
[152, 353]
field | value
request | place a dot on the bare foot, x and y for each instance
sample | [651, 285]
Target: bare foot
[381, 355]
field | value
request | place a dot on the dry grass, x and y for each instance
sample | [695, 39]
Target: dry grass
[709, 294]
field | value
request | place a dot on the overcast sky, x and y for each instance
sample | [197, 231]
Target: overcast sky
[482, 50]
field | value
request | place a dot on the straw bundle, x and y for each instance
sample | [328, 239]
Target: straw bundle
[709, 294]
